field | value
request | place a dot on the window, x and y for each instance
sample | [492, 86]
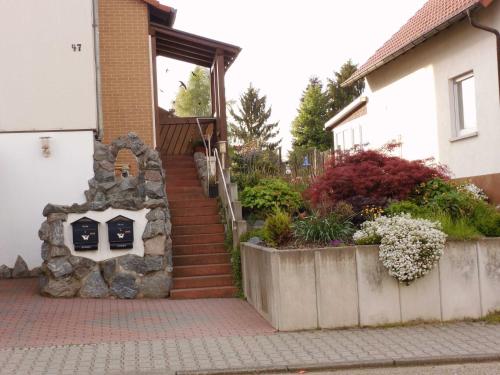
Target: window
[464, 104]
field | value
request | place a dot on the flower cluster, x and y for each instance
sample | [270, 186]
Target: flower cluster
[372, 212]
[475, 191]
[409, 248]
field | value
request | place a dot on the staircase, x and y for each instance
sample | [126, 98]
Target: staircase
[202, 267]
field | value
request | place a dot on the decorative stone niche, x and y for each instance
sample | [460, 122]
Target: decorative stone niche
[145, 269]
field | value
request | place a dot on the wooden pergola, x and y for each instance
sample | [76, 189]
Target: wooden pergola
[195, 49]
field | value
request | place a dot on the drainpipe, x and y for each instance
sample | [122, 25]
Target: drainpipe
[97, 57]
[497, 35]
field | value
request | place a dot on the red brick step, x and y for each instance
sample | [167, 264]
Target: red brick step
[217, 292]
[195, 211]
[194, 220]
[197, 239]
[202, 281]
[183, 230]
[199, 259]
[174, 204]
[202, 270]
[210, 248]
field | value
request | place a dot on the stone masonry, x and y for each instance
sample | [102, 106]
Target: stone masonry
[127, 276]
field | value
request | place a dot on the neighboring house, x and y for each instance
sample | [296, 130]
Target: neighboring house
[434, 87]
[73, 71]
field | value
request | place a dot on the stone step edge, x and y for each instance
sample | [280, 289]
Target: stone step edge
[350, 365]
[204, 288]
[198, 255]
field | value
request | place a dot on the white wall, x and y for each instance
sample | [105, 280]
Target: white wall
[410, 99]
[45, 85]
[29, 181]
[104, 252]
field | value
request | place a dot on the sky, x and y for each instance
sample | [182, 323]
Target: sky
[284, 43]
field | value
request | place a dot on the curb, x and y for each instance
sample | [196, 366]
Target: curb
[336, 366]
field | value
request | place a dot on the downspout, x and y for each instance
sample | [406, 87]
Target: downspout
[97, 57]
[497, 35]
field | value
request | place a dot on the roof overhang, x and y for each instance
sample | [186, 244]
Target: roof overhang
[363, 72]
[161, 13]
[191, 48]
[356, 104]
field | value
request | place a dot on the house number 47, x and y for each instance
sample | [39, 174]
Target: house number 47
[77, 47]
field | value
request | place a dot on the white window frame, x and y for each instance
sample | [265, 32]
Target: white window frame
[459, 130]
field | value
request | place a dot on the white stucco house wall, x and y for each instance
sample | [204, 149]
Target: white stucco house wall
[47, 98]
[434, 87]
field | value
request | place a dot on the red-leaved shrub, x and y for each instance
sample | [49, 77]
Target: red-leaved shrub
[370, 178]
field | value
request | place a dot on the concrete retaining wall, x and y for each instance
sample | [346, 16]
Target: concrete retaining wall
[349, 286]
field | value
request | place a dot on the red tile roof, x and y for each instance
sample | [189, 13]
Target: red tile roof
[433, 17]
[158, 5]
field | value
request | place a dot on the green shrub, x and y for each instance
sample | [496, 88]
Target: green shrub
[460, 229]
[455, 203]
[406, 207]
[323, 230]
[268, 195]
[486, 219]
[457, 228]
[278, 228]
[425, 192]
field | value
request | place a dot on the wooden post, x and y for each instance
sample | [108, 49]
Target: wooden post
[221, 96]
[155, 89]
[213, 99]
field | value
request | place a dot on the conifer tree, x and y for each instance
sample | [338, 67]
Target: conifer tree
[251, 120]
[308, 128]
[339, 97]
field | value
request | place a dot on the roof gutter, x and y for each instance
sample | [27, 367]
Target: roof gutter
[497, 35]
[346, 112]
[459, 16]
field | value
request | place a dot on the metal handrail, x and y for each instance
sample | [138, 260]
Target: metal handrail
[207, 151]
[229, 203]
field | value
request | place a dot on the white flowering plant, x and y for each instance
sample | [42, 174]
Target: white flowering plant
[473, 190]
[409, 248]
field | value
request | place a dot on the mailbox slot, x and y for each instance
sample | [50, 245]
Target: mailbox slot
[121, 233]
[85, 234]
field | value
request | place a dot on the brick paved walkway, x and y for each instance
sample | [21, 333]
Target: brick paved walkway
[222, 343]
[28, 320]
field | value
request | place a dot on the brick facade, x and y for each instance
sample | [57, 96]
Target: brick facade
[125, 70]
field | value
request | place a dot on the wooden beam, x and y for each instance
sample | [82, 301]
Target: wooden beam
[176, 56]
[221, 96]
[182, 44]
[213, 100]
[196, 39]
[167, 46]
[155, 90]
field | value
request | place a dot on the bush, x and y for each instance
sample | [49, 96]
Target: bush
[486, 219]
[371, 178]
[269, 195]
[460, 229]
[457, 228]
[277, 229]
[324, 230]
[409, 248]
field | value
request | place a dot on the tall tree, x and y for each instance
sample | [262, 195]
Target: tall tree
[338, 96]
[308, 128]
[193, 99]
[251, 120]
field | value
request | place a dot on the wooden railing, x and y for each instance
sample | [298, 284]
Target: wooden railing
[175, 136]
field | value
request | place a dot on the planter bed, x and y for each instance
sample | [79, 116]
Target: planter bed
[348, 286]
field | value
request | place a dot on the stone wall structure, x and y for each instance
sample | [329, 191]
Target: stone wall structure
[349, 286]
[127, 276]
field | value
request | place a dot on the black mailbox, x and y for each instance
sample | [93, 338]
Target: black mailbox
[121, 233]
[85, 234]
